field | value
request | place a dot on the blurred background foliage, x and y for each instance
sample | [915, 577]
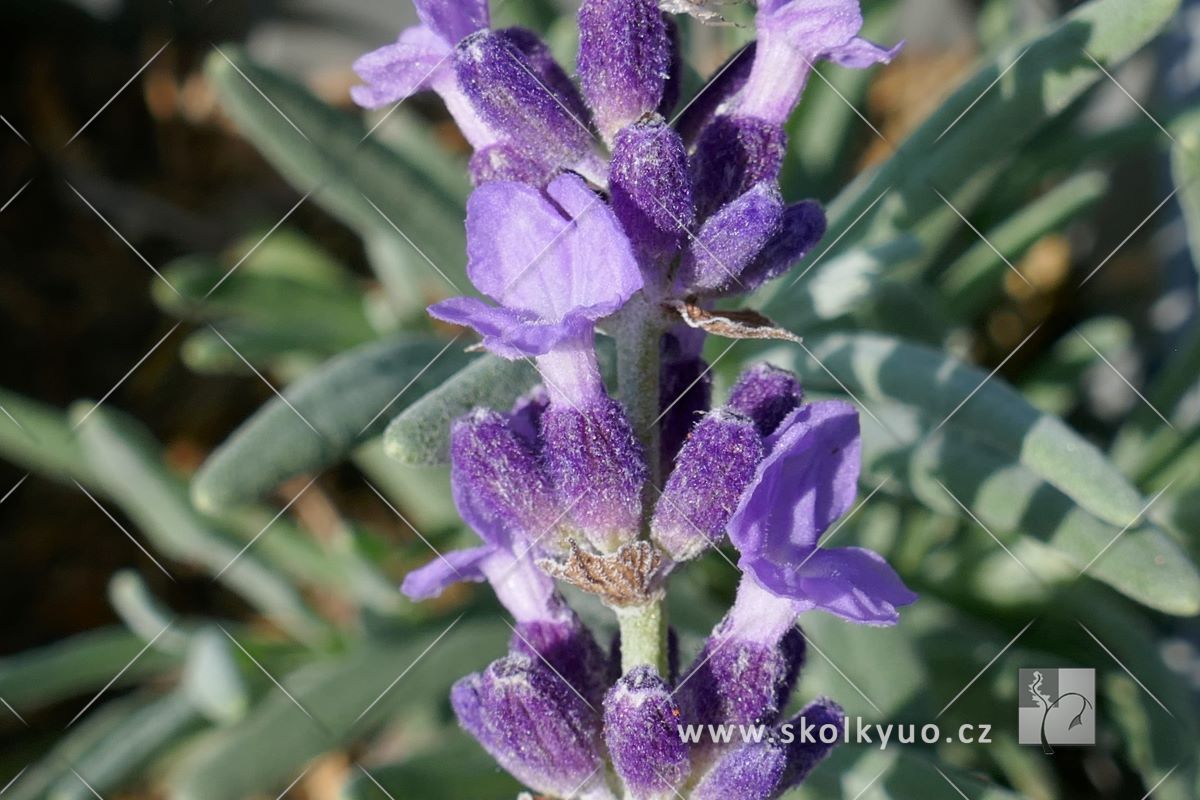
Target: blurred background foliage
[230, 265]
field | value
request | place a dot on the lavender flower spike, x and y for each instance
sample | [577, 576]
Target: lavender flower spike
[535, 726]
[807, 481]
[792, 36]
[641, 729]
[422, 59]
[625, 55]
[536, 254]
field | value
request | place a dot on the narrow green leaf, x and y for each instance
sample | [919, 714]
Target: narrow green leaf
[322, 418]
[77, 665]
[38, 437]
[366, 184]
[143, 613]
[128, 747]
[420, 435]
[1185, 169]
[129, 465]
[270, 746]
[212, 682]
[1053, 383]
[458, 768]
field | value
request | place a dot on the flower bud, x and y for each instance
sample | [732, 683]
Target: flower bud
[506, 90]
[497, 478]
[753, 771]
[733, 154]
[765, 394]
[625, 54]
[598, 469]
[685, 392]
[730, 240]
[719, 90]
[802, 226]
[803, 756]
[641, 729]
[716, 464]
[533, 724]
[569, 648]
[651, 191]
[741, 680]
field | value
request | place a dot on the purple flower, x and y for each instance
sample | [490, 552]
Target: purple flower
[792, 36]
[625, 60]
[767, 395]
[535, 725]
[808, 480]
[730, 240]
[715, 465]
[641, 720]
[422, 59]
[556, 263]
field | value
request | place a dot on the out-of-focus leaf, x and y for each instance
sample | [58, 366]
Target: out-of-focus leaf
[37, 437]
[82, 663]
[422, 491]
[982, 124]
[420, 435]
[366, 184]
[458, 769]
[322, 418]
[933, 423]
[212, 680]
[287, 353]
[129, 465]
[1052, 385]
[129, 746]
[270, 746]
[974, 280]
[142, 613]
[1185, 169]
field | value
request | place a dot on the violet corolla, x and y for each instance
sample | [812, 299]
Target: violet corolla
[595, 215]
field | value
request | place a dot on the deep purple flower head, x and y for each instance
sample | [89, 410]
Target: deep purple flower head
[641, 720]
[598, 469]
[625, 60]
[808, 480]
[652, 193]
[792, 36]
[555, 261]
[766, 394]
[730, 240]
[530, 109]
[534, 725]
[715, 465]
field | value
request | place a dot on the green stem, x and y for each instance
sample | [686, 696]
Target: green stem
[643, 636]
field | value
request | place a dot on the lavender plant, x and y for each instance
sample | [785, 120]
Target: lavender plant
[612, 494]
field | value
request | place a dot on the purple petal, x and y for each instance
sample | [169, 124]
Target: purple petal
[624, 60]
[808, 480]
[849, 582]
[393, 72]
[527, 412]
[503, 162]
[859, 54]
[802, 756]
[802, 226]
[715, 465]
[651, 190]
[453, 20]
[733, 154]
[750, 772]
[766, 394]
[507, 333]
[641, 720]
[529, 255]
[730, 240]
[445, 571]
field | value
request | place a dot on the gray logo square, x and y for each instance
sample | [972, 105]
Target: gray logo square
[1056, 707]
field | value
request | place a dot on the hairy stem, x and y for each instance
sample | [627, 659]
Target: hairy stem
[643, 636]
